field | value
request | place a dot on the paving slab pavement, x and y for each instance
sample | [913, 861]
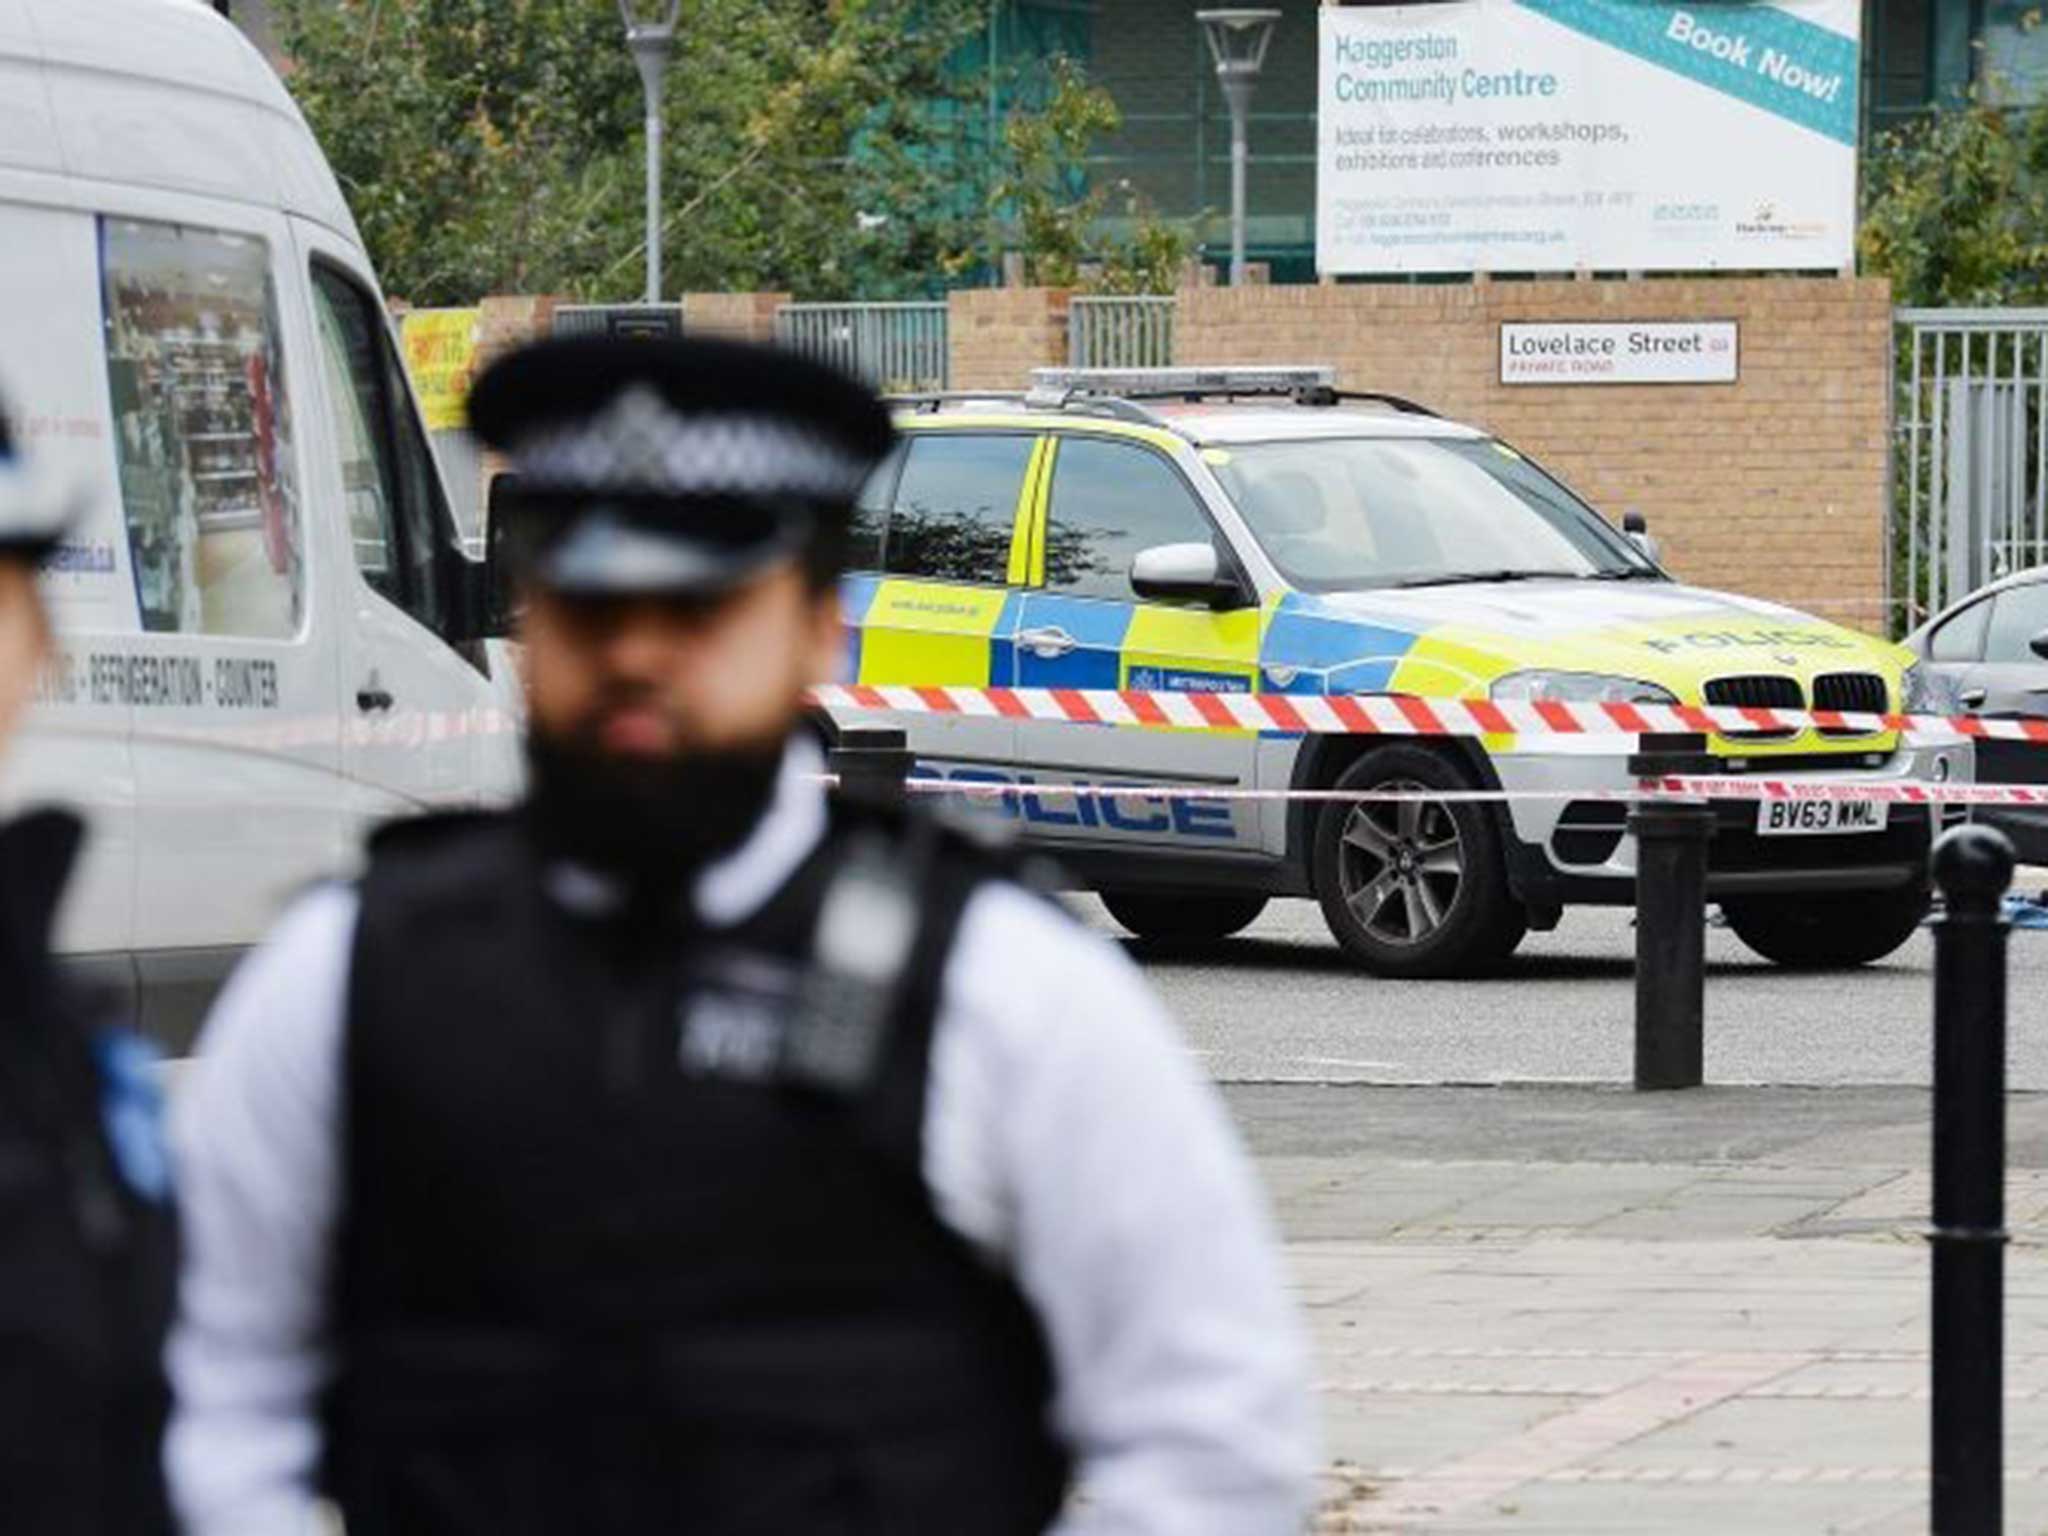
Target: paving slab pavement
[1579, 1309]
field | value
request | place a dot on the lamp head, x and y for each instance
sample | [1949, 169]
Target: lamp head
[642, 23]
[1238, 38]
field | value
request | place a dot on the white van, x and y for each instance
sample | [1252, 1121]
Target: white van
[267, 624]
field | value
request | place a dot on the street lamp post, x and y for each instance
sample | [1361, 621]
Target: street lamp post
[1237, 40]
[650, 42]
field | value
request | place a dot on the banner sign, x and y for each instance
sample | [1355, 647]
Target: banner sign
[440, 356]
[1644, 352]
[1555, 135]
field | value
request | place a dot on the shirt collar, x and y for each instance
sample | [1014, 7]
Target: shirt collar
[739, 885]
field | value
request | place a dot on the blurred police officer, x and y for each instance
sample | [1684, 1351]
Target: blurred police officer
[86, 1261]
[679, 1153]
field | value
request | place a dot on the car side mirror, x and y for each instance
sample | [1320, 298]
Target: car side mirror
[1186, 573]
[1636, 529]
[2039, 645]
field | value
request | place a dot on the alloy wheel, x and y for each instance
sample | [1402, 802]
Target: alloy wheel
[1401, 865]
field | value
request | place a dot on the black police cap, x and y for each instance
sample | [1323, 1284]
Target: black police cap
[673, 466]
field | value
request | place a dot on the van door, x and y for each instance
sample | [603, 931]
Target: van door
[942, 607]
[231, 676]
[75, 747]
[1084, 627]
[413, 703]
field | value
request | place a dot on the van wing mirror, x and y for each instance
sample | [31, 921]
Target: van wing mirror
[1184, 573]
[496, 602]
[2039, 645]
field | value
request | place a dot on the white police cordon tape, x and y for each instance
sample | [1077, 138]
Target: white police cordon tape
[1686, 788]
[1386, 714]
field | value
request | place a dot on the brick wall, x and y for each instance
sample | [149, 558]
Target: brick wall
[742, 316]
[1772, 486]
[998, 335]
[507, 320]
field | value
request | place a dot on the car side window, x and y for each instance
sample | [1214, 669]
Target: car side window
[955, 509]
[398, 519]
[202, 429]
[871, 515]
[2017, 615]
[1962, 637]
[1110, 500]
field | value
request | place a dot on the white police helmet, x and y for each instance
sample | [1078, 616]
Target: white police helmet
[32, 514]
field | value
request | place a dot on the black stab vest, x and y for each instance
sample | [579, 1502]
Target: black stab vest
[584, 1283]
[87, 1266]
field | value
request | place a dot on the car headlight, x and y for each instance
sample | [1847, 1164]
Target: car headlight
[1545, 687]
[1926, 692]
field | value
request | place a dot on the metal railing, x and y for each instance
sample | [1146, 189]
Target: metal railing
[1120, 332]
[896, 347]
[1969, 473]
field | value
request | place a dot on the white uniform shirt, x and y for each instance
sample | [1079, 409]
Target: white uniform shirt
[1067, 1136]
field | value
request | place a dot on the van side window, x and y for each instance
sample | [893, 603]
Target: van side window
[956, 507]
[202, 430]
[398, 519]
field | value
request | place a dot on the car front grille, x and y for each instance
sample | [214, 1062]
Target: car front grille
[1756, 692]
[1859, 693]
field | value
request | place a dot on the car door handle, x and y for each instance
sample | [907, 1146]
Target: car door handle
[1973, 698]
[369, 700]
[1046, 643]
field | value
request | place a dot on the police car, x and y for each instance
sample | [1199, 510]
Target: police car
[1257, 530]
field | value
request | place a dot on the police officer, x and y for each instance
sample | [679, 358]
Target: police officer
[680, 1152]
[86, 1260]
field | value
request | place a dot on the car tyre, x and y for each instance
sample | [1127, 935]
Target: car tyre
[1182, 918]
[1414, 888]
[1827, 931]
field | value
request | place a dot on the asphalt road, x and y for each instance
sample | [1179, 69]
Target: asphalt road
[1280, 1004]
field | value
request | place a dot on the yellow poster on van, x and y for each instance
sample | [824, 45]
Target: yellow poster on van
[440, 355]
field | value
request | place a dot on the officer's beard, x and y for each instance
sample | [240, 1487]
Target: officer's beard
[652, 823]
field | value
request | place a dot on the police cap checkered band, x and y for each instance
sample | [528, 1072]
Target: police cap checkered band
[638, 445]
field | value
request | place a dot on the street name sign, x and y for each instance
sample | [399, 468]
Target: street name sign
[1618, 352]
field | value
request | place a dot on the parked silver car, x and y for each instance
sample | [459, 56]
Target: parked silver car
[1988, 655]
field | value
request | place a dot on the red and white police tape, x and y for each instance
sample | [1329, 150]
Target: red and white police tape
[1386, 714]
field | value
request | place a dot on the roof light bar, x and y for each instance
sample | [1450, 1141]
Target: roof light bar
[1274, 379]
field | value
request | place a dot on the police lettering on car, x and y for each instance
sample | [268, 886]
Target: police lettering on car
[86, 1268]
[681, 1150]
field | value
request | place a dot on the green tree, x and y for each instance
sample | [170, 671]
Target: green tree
[1956, 207]
[494, 145]
[1058, 222]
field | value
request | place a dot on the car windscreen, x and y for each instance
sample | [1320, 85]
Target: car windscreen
[1336, 514]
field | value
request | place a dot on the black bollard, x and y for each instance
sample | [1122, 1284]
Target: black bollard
[1671, 918]
[1973, 868]
[872, 764]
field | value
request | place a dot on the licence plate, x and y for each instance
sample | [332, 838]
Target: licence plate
[1803, 818]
